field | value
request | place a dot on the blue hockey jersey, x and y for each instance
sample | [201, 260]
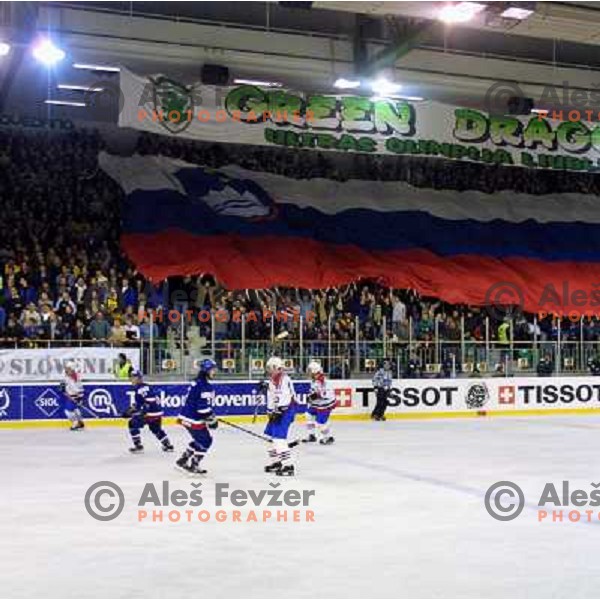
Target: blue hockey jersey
[197, 410]
[146, 401]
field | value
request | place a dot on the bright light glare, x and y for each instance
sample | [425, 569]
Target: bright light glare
[514, 12]
[90, 67]
[47, 53]
[461, 12]
[79, 88]
[64, 103]
[382, 87]
[346, 84]
[257, 82]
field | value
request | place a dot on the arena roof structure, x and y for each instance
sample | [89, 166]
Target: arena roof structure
[301, 45]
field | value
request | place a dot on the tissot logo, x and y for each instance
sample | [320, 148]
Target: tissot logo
[430, 395]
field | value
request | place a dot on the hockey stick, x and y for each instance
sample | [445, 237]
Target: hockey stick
[80, 405]
[255, 415]
[252, 433]
[262, 388]
[264, 438]
[88, 411]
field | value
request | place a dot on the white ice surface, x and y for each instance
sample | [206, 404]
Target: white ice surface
[399, 513]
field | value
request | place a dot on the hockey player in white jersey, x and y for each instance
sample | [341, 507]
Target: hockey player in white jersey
[321, 401]
[71, 389]
[281, 400]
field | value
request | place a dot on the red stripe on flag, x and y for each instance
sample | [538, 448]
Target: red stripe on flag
[244, 262]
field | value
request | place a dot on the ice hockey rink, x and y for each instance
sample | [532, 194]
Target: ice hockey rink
[398, 512]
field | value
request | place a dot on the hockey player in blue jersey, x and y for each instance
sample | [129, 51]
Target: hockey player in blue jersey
[280, 409]
[145, 409]
[198, 418]
[321, 401]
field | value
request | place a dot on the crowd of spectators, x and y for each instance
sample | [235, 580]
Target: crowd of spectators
[63, 276]
[419, 171]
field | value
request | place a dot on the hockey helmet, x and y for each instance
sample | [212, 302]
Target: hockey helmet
[274, 364]
[135, 374]
[70, 365]
[206, 366]
[314, 367]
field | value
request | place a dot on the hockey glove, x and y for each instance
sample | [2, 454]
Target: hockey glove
[127, 414]
[212, 423]
[276, 415]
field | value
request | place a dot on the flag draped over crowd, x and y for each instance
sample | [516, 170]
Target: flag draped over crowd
[256, 230]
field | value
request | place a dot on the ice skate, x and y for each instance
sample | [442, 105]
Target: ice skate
[194, 467]
[167, 446]
[182, 462]
[273, 467]
[137, 448]
[286, 471]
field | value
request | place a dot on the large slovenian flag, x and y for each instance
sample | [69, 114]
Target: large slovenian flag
[256, 230]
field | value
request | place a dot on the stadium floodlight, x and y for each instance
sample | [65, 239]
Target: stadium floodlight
[346, 84]
[78, 88]
[92, 67]
[258, 82]
[516, 12]
[4, 48]
[47, 53]
[460, 12]
[65, 103]
[382, 87]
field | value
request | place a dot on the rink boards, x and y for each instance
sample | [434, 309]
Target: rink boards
[40, 404]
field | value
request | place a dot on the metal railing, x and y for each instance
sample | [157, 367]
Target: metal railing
[177, 354]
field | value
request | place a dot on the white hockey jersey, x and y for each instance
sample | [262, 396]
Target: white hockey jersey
[280, 393]
[321, 395]
[73, 385]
